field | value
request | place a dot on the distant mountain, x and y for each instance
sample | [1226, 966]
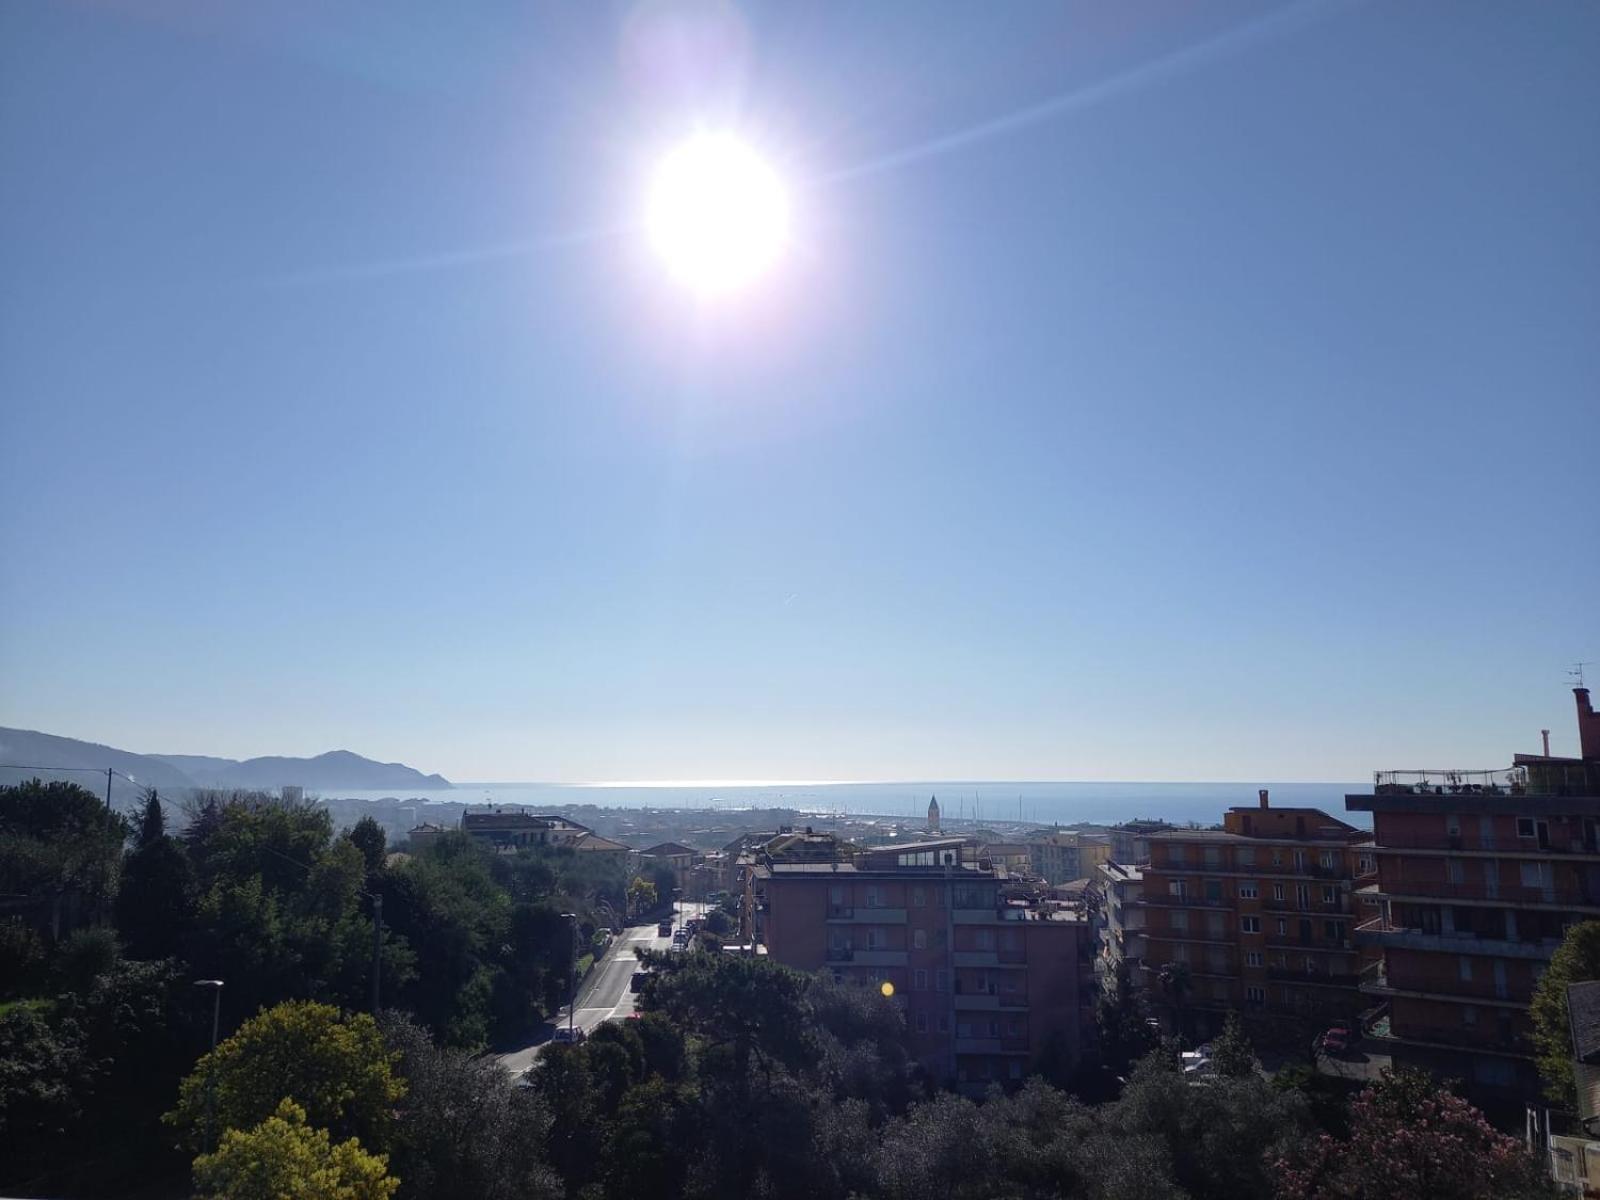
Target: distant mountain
[325, 772]
[25, 753]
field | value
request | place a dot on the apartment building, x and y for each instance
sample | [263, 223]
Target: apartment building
[1130, 841]
[1062, 855]
[1121, 921]
[1258, 914]
[1479, 875]
[987, 981]
[509, 828]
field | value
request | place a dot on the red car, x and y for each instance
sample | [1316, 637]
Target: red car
[1335, 1041]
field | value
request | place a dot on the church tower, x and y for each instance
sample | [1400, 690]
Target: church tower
[933, 814]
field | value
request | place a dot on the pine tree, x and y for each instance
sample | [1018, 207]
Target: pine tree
[1232, 1054]
[152, 821]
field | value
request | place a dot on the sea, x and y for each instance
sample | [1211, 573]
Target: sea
[1033, 802]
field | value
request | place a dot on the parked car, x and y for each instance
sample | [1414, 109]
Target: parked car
[568, 1036]
[636, 980]
[1196, 1062]
[664, 929]
[1336, 1041]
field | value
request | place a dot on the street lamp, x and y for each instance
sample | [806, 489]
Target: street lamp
[211, 1076]
[216, 1004]
[572, 977]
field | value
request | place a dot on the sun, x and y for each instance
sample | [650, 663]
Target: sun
[718, 214]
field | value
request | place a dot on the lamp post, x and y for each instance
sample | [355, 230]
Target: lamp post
[572, 977]
[211, 1076]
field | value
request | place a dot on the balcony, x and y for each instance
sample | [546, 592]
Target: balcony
[1508, 894]
[880, 958]
[1512, 781]
[844, 913]
[1282, 975]
[1184, 901]
[1382, 932]
[974, 958]
[977, 1000]
[977, 1045]
[977, 916]
[1507, 847]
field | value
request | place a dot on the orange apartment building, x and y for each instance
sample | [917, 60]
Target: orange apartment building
[1260, 912]
[986, 981]
[1480, 873]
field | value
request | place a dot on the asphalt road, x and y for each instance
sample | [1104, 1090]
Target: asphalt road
[604, 995]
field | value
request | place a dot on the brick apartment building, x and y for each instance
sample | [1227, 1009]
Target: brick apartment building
[1260, 914]
[1120, 923]
[987, 981]
[1479, 875]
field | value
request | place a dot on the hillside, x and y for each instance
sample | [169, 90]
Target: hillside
[25, 753]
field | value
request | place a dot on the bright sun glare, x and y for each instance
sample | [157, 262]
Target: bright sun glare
[718, 214]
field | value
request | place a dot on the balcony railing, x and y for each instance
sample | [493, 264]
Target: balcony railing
[1286, 975]
[1508, 846]
[1510, 781]
[1505, 893]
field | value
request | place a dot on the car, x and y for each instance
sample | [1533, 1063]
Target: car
[664, 929]
[1336, 1041]
[636, 980]
[1195, 1062]
[568, 1035]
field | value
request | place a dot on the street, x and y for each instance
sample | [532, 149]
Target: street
[604, 995]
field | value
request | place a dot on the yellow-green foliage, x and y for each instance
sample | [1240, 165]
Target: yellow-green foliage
[336, 1068]
[283, 1156]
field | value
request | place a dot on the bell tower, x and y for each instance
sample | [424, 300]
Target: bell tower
[933, 814]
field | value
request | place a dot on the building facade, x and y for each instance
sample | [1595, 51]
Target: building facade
[1122, 916]
[1479, 875]
[986, 982]
[1257, 917]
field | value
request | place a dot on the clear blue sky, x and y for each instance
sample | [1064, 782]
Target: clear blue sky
[1159, 391]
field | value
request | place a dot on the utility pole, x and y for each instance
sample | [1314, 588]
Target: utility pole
[377, 947]
[108, 789]
[572, 978]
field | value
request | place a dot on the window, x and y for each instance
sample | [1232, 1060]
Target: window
[1310, 965]
[1330, 931]
[875, 940]
[1469, 1015]
[1213, 856]
[1283, 926]
[1465, 966]
[874, 897]
[985, 939]
[1364, 864]
[1178, 889]
[1252, 958]
[1277, 858]
[1255, 995]
[963, 1029]
[1250, 924]
[944, 1022]
[919, 939]
[1525, 827]
[836, 894]
[922, 1022]
[1455, 870]
[1452, 826]
[838, 975]
[1175, 852]
[994, 1029]
[1214, 889]
[920, 979]
[1245, 856]
[1180, 921]
[1277, 891]
[1013, 1028]
[919, 898]
[1327, 860]
[941, 980]
[1330, 896]
[1009, 940]
[1248, 891]
[1014, 1070]
[1180, 953]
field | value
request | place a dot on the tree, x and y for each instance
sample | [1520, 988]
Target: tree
[1576, 960]
[283, 1156]
[155, 902]
[61, 848]
[337, 1068]
[641, 895]
[368, 837]
[464, 1132]
[1411, 1137]
[1125, 1037]
[44, 1077]
[1231, 1053]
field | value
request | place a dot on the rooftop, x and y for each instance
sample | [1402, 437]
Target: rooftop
[668, 850]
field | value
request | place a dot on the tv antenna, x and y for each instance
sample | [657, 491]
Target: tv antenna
[1576, 673]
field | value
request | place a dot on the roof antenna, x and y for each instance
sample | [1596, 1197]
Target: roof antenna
[1577, 673]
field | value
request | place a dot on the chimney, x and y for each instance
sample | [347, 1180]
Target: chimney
[1545, 734]
[1588, 725]
[1263, 796]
